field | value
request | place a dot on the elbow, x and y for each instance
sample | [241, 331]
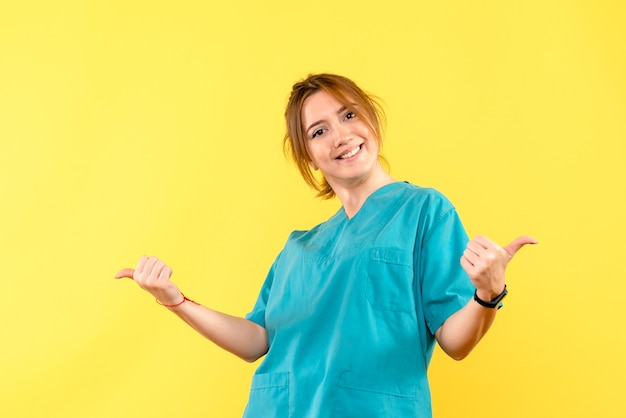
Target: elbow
[256, 346]
[456, 349]
[250, 359]
[458, 356]
[253, 356]
[457, 353]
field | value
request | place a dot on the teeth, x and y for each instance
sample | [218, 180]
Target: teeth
[351, 153]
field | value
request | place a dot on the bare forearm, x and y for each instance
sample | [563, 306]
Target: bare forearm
[239, 336]
[485, 263]
[464, 329]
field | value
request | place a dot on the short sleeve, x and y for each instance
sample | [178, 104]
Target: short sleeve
[445, 286]
[257, 314]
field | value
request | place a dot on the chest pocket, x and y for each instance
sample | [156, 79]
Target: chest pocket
[389, 284]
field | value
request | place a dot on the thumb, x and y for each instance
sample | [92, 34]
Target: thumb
[518, 243]
[125, 273]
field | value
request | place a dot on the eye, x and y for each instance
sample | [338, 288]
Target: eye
[317, 133]
[350, 115]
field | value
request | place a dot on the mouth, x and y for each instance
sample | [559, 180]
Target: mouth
[350, 153]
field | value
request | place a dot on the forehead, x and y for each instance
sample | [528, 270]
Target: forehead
[320, 105]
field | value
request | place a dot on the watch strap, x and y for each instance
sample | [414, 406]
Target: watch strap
[493, 303]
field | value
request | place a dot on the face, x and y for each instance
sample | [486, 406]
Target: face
[338, 141]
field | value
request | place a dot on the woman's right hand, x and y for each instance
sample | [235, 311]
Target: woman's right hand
[240, 336]
[153, 275]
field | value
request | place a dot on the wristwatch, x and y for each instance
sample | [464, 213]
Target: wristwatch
[493, 303]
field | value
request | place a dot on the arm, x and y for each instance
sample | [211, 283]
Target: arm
[239, 336]
[485, 262]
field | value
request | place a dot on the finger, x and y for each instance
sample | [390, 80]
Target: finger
[165, 274]
[149, 266]
[467, 266]
[484, 241]
[475, 247]
[125, 273]
[470, 256]
[141, 263]
[157, 268]
[518, 243]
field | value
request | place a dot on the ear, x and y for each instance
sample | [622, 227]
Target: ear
[313, 166]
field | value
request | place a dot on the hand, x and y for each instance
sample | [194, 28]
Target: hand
[485, 262]
[153, 275]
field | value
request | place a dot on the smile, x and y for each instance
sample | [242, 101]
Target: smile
[351, 153]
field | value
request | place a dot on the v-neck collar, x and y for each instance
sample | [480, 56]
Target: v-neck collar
[369, 203]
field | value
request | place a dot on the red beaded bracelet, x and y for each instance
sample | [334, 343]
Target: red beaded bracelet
[185, 298]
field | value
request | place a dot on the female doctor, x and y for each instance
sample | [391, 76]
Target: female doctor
[349, 313]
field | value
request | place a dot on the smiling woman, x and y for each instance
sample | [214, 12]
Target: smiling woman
[350, 311]
[340, 145]
[348, 98]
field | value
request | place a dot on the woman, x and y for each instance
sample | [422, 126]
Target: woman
[350, 310]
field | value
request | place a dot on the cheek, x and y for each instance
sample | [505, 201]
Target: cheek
[373, 142]
[311, 157]
[365, 132]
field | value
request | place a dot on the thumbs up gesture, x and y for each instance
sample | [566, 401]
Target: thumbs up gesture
[485, 262]
[153, 275]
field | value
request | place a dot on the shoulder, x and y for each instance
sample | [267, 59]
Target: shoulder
[426, 197]
[304, 235]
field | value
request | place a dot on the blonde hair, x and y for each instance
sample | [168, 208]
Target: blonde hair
[348, 94]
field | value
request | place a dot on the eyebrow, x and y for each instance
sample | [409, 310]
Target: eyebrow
[341, 110]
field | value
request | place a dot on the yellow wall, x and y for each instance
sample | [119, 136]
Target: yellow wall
[154, 127]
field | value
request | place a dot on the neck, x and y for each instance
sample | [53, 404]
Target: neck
[353, 195]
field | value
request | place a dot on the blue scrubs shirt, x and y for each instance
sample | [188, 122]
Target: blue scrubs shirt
[351, 308]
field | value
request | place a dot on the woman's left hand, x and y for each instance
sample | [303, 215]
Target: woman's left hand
[485, 263]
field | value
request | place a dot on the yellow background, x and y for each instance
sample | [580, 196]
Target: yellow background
[154, 127]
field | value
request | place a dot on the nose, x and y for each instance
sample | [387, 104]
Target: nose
[343, 135]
